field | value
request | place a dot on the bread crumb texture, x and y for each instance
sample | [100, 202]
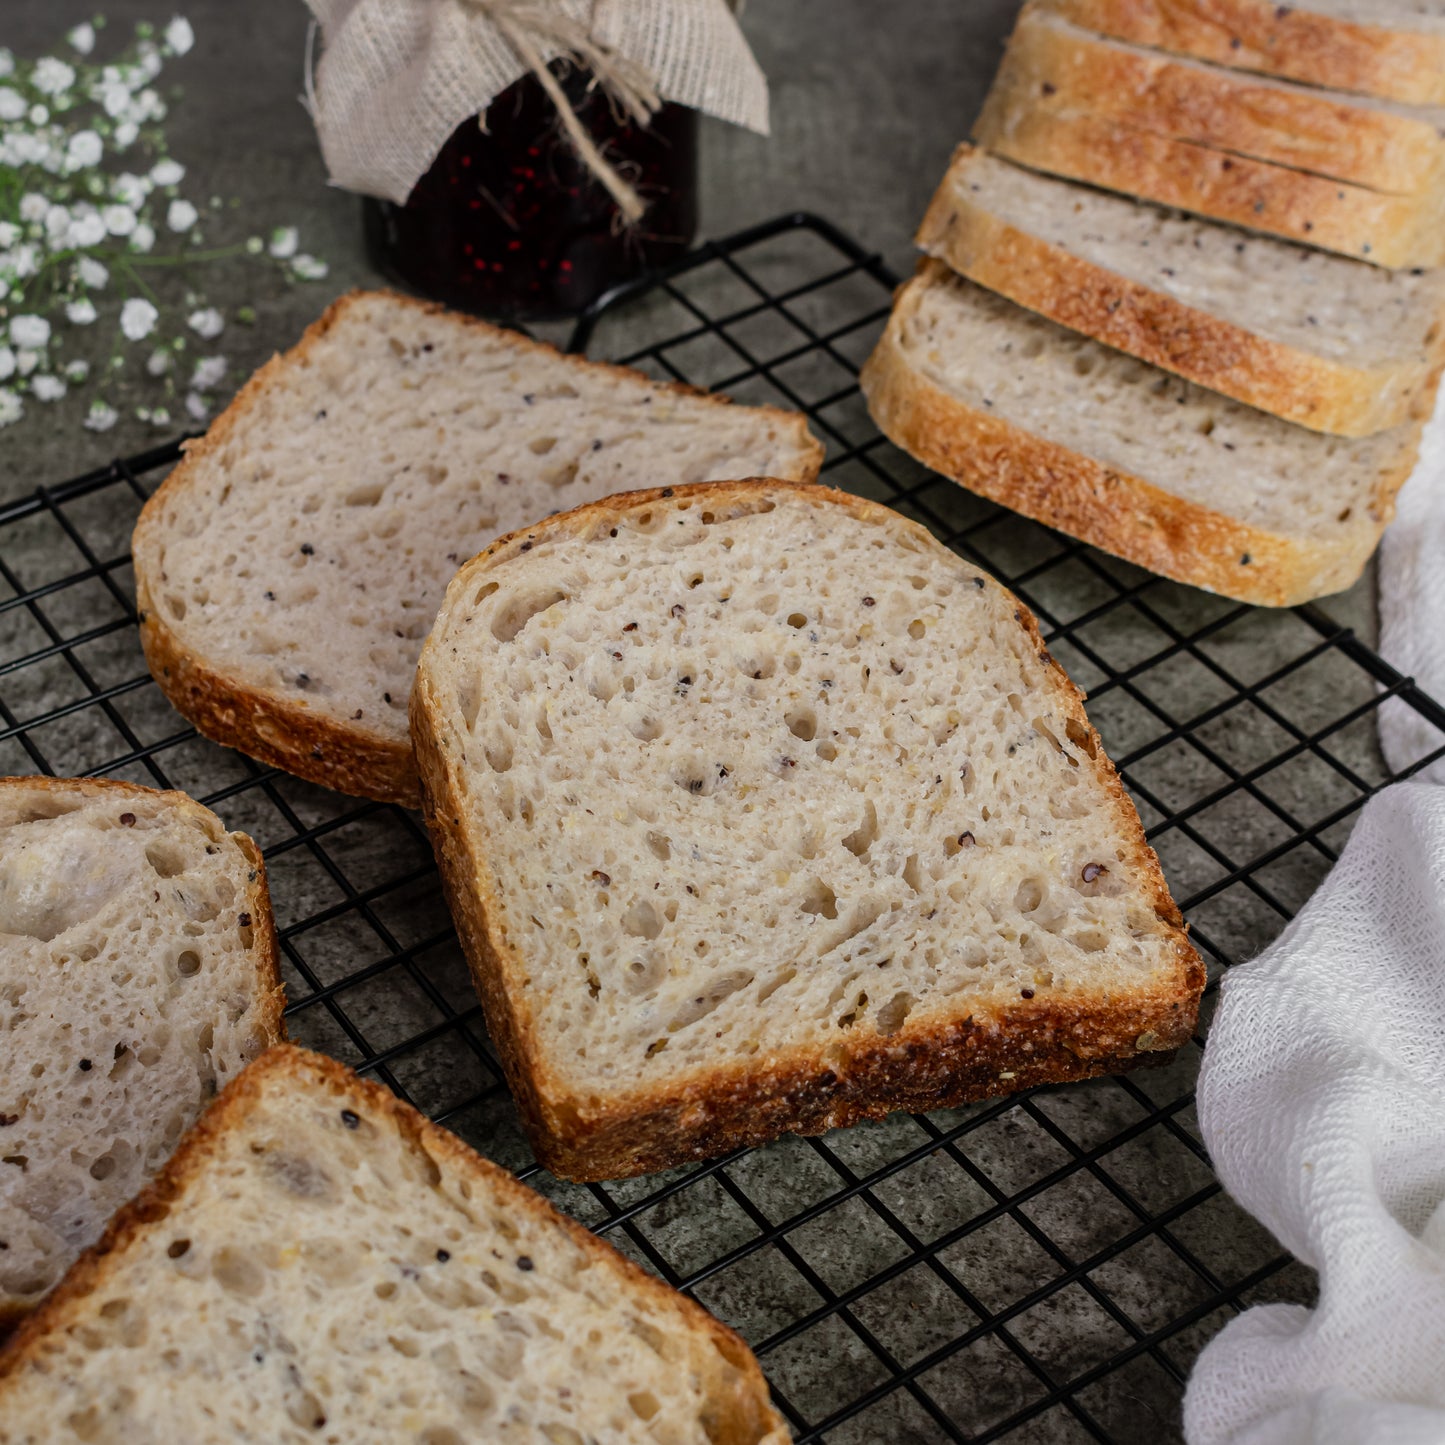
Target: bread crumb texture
[306, 546]
[328, 1267]
[761, 774]
[136, 979]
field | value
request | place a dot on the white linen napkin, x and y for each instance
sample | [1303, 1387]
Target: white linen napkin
[1322, 1102]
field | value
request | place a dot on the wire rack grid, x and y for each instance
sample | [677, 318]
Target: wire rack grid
[1042, 1268]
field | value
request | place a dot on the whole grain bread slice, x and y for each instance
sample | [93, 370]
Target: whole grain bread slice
[320, 1261]
[137, 976]
[1386, 230]
[759, 810]
[1389, 48]
[1369, 142]
[1333, 344]
[288, 570]
[1140, 463]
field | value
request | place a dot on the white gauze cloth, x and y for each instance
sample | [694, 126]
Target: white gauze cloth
[1322, 1101]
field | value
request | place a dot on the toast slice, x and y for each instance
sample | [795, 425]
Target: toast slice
[288, 570]
[137, 975]
[319, 1260]
[1142, 464]
[1369, 142]
[1113, 152]
[759, 810]
[1329, 343]
[1392, 49]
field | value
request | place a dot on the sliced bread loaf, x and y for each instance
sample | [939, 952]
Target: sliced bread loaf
[1147, 466]
[137, 975]
[289, 568]
[1376, 143]
[319, 1261]
[760, 810]
[1333, 344]
[1391, 48]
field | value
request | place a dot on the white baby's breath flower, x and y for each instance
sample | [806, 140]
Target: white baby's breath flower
[11, 409]
[179, 36]
[138, 318]
[82, 312]
[47, 388]
[254, 245]
[29, 330]
[114, 98]
[148, 106]
[167, 173]
[207, 324]
[9, 234]
[51, 76]
[85, 150]
[38, 115]
[57, 223]
[7, 363]
[160, 417]
[87, 228]
[7, 62]
[12, 103]
[158, 362]
[92, 273]
[284, 240]
[143, 237]
[119, 220]
[308, 268]
[150, 59]
[130, 190]
[101, 417]
[26, 360]
[181, 215]
[124, 134]
[33, 206]
[209, 373]
[196, 407]
[22, 261]
[82, 38]
[77, 371]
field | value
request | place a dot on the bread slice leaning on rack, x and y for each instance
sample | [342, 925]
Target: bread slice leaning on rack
[289, 569]
[1332, 344]
[1142, 464]
[137, 976]
[1393, 49]
[759, 810]
[320, 1261]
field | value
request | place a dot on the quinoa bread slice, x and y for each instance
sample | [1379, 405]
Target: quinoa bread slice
[1332, 344]
[137, 976]
[289, 568]
[1369, 142]
[1142, 464]
[1390, 49]
[320, 1261]
[759, 810]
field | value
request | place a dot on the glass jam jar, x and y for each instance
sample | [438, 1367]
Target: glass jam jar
[510, 224]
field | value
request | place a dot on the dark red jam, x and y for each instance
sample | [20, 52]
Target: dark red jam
[509, 223]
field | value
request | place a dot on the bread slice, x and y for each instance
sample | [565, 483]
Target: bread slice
[760, 810]
[319, 1261]
[1105, 150]
[1082, 438]
[289, 568]
[1389, 48]
[1376, 143]
[1330, 343]
[137, 975]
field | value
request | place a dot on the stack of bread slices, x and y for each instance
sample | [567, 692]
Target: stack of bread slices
[1180, 298]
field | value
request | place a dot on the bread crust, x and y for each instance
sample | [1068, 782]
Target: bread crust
[1386, 230]
[269, 724]
[1310, 390]
[1290, 41]
[1112, 510]
[746, 1417]
[1063, 69]
[269, 990]
[929, 1063]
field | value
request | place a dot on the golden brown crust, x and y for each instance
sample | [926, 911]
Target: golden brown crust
[746, 1417]
[1313, 391]
[1112, 510]
[1386, 230]
[928, 1064]
[1063, 70]
[1286, 40]
[269, 724]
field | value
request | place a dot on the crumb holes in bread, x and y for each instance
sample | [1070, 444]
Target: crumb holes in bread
[512, 616]
[540, 446]
[820, 900]
[165, 858]
[861, 839]
[238, 1272]
[641, 920]
[892, 1015]
[802, 724]
[367, 495]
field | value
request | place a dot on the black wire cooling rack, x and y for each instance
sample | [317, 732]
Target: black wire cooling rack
[1042, 1268]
